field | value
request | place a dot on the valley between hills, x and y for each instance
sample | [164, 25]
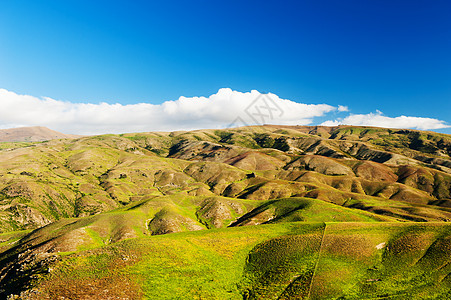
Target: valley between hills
[259, 212]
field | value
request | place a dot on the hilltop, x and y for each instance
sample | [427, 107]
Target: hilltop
[32, 134]
[99, 209]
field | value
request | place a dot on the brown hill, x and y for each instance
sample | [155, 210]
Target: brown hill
[397, 173]
[32, 134]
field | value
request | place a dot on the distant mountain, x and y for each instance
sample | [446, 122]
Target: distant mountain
[32, 134]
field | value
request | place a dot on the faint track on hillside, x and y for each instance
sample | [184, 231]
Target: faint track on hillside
[317, 261]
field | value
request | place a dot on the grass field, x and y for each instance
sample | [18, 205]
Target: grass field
[276, 261]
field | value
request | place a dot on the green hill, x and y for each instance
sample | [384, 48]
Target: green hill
[342, 213]
[293, 260]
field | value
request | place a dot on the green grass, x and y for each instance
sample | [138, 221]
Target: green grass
[279, 261]
[96, 240]
[352, 267]
[194, 265]
[15, 145]
[9, 239]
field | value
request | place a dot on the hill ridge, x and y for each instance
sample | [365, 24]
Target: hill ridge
[32, 134]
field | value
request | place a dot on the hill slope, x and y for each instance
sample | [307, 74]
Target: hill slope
[92, 199]
[42, 183]
[32, 134]
[294, 260]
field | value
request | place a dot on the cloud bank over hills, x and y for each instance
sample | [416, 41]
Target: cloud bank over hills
[379, 120]
[223, 109]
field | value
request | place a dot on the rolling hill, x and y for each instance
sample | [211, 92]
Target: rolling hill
[261, 212]
[32, 134]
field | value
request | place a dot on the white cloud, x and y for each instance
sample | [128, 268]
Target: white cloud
[342, 108]
[379, 120]
[216, 111]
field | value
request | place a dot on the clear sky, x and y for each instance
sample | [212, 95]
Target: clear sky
[378, 58]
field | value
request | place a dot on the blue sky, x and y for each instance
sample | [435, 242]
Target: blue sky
[387, 56]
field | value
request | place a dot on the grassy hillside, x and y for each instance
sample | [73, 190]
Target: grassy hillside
[279, 261]
[42, 183]
[342, 213]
